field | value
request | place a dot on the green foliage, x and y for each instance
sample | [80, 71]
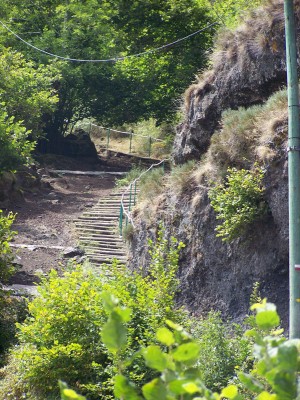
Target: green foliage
[27, 90]
[134, 173]
[63, 336]
[6, 254]
[15, 148]
[11, 310]
[231, 12]
[223, 350]
[125, 91]
[238, 202]
[178, 377]
[150, 184]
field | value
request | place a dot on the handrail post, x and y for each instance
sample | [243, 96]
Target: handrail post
[130, 142]
[107, 137]
[130, 190]
[149, 146]
[134, 198]
[121, 220]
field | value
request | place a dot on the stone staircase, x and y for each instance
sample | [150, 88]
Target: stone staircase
[98, 231]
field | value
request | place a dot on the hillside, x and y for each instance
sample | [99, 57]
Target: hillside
[235, 116]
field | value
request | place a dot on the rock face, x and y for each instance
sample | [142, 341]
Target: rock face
[219, 275]
[248, 65]
[247, 69]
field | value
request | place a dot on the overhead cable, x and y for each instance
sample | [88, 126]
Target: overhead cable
[108, 59]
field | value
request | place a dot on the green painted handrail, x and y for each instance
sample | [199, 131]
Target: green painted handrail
[132, 189]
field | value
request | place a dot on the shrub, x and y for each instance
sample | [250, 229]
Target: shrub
[6, 254]
[223, 350]
[176, 362]
[238, 201]
[61, 337]
[15, 149]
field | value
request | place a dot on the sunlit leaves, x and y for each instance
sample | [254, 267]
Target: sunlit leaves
[238, 202]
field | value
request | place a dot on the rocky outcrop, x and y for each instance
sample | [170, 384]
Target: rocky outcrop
[12, 184]
[218, 275]
[248, 65]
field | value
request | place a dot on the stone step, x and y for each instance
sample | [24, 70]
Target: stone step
[97, 223]
[99, 237]
[95, 220]
[98, 230]
[104, 258]
[92, 218]
[104, 246]
[109, 253]
[97, 212]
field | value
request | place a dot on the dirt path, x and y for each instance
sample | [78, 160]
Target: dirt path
[45, 216]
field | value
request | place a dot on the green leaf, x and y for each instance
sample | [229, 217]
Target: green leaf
[123, 313]
[267, 396]
[191, 388]
[125, 389]
[176, 386]
[109, 302]
[68, 394]
[155, 358]
[250, 382]
[186, 352]
[267, 319]
[114, 335]
[155, 390]
[174, 326]
[230, 392]
[165, 336]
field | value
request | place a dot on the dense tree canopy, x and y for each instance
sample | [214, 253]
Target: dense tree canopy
[120, 91]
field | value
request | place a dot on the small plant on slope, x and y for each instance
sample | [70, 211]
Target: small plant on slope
[238, 202]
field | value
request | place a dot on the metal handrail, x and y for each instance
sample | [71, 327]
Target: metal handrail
[132, 185]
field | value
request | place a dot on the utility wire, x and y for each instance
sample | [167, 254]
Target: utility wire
[109, 59]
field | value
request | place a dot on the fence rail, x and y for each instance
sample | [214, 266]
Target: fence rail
[149, 140]
[132, 191]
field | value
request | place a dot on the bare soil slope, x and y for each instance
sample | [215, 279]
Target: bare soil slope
[45, 216]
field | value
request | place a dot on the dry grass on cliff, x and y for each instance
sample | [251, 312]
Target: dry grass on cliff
[241, 52]
[256, 134]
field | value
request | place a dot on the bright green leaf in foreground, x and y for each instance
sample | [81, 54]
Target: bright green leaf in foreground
[114, 335]
[165, 336]
[155, 358]
[155, 390]
[125, 389]
[186, 352]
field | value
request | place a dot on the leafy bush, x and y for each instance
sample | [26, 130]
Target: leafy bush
[15, 149]
[61, 337]
[238, 202]
[27, 89]
[223, 350]
[6, 254]
[176, 362]
[11, 309]
[229, 12]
